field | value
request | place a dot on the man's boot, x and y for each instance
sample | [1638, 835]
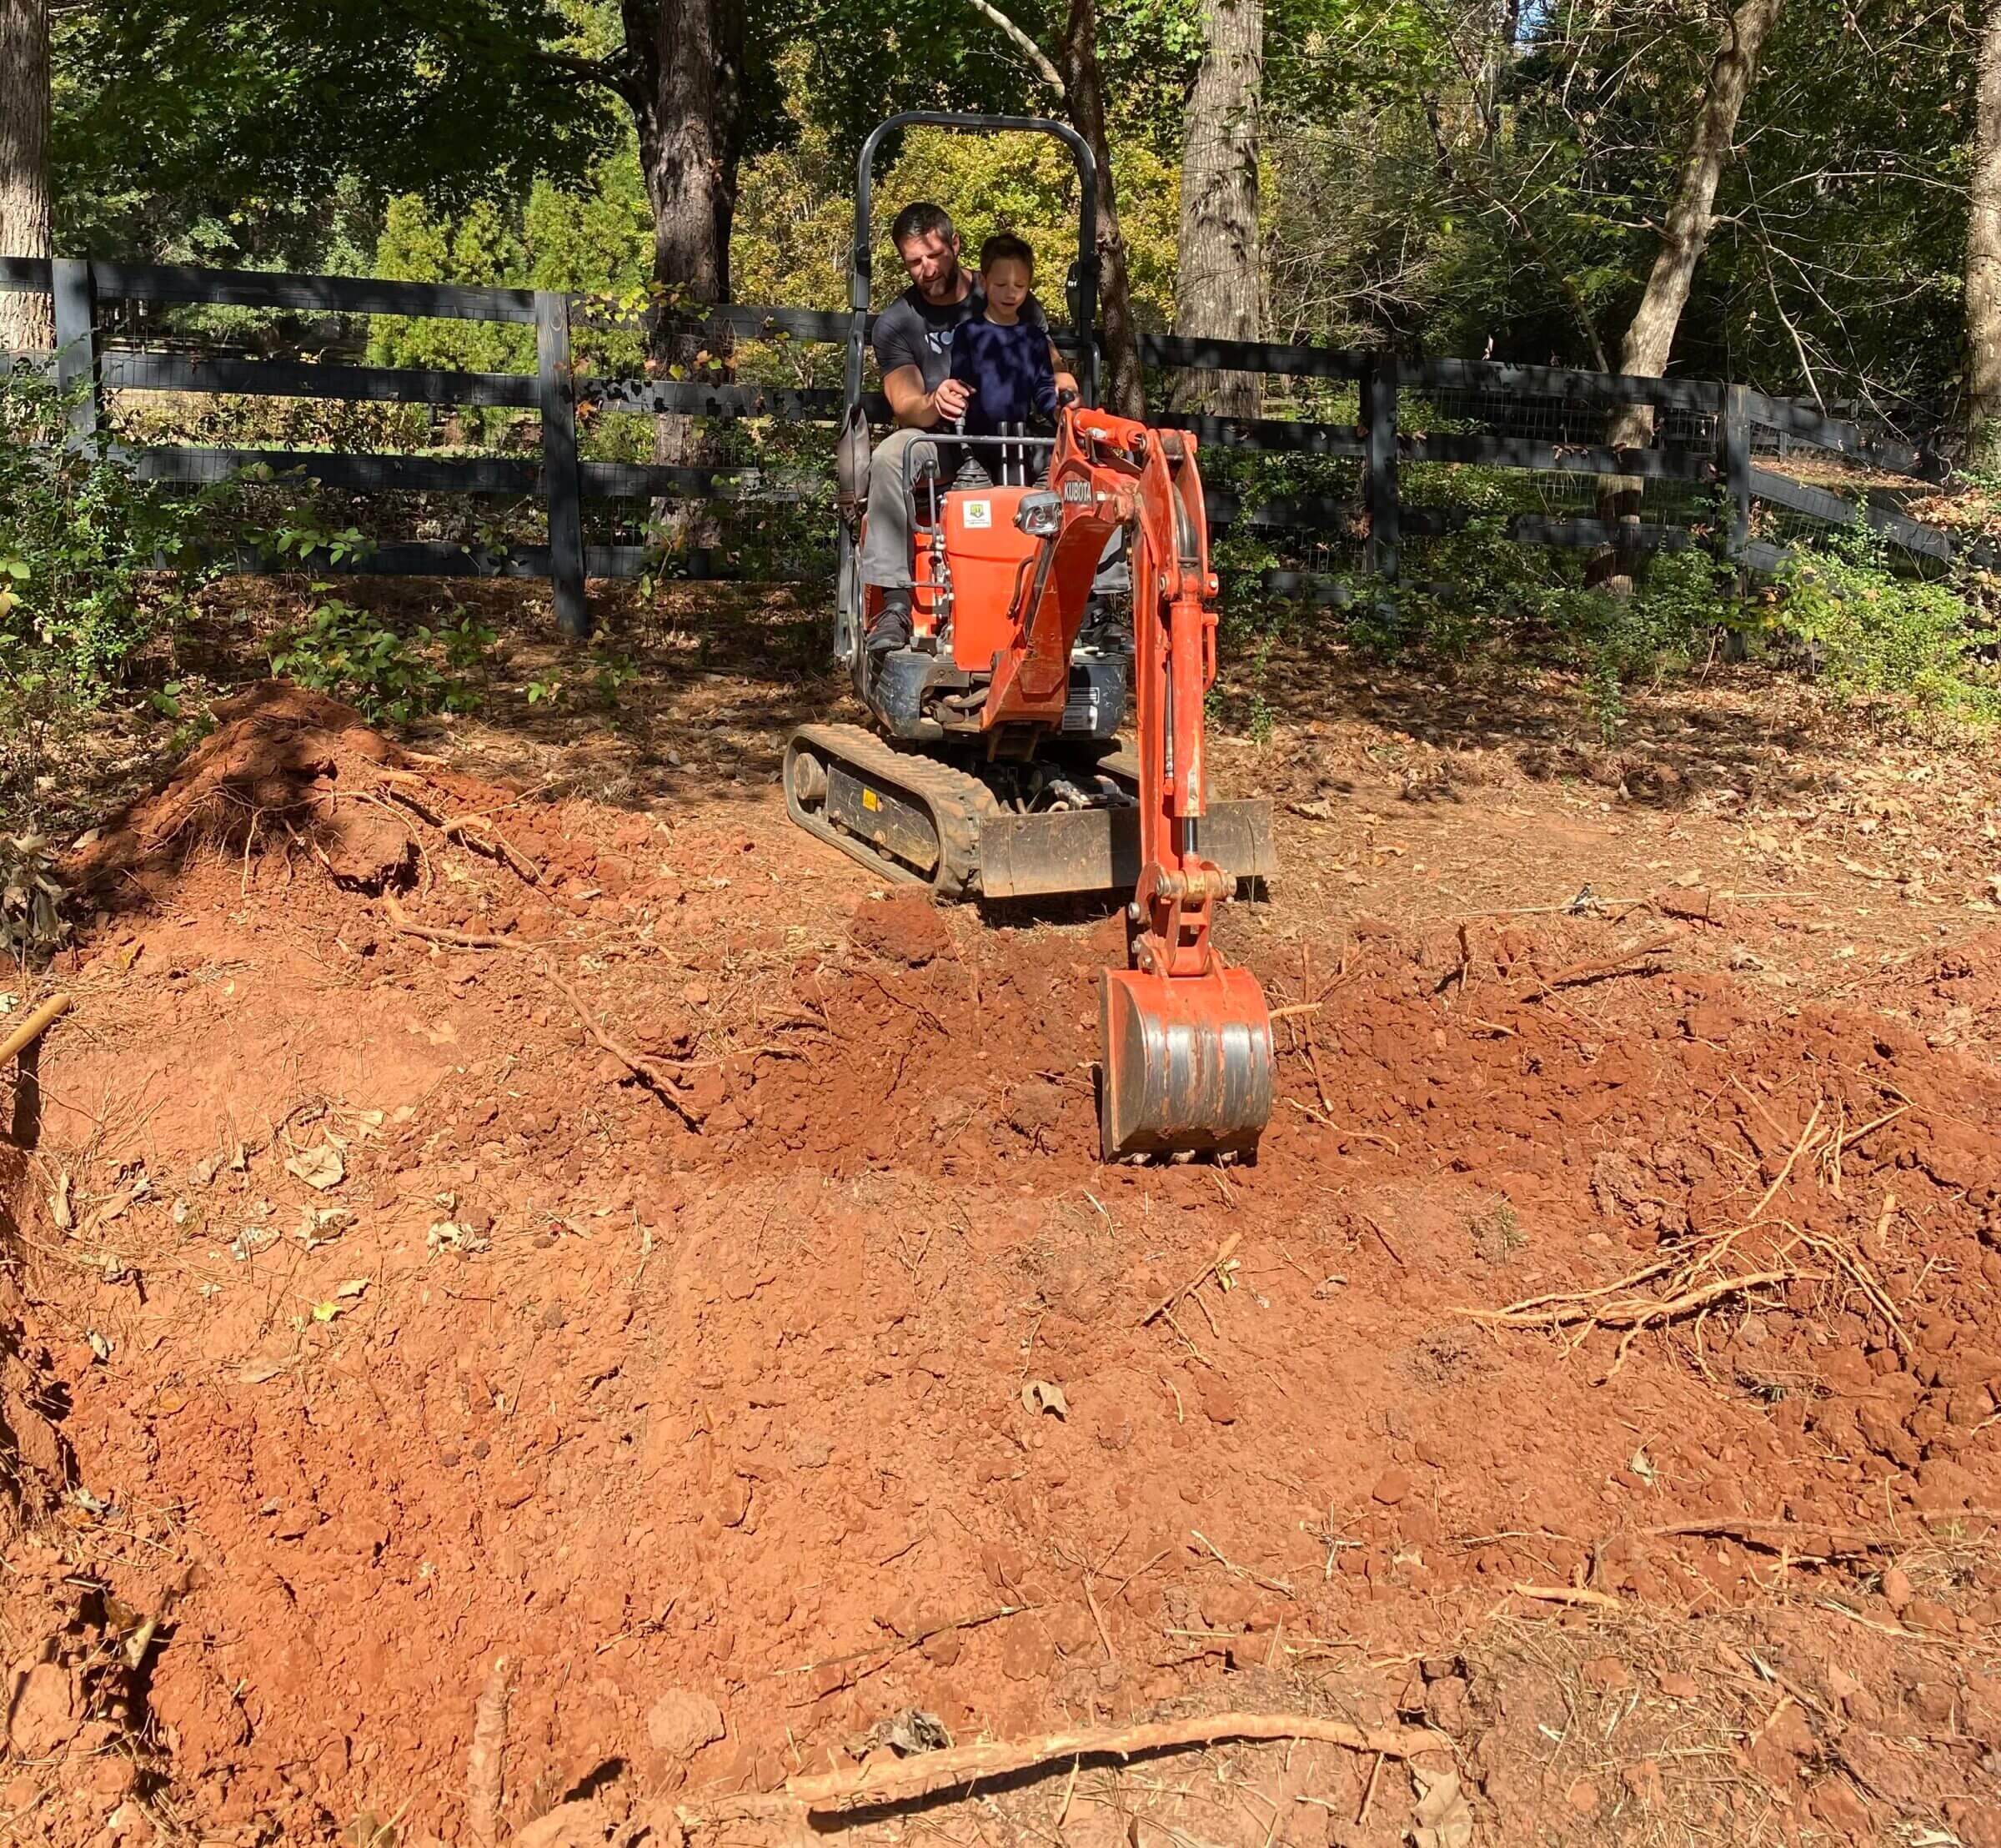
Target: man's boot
[891, 629]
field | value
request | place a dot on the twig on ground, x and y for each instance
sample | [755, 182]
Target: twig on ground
[1368, 1793]
[903, 1780]
[655, 1077]
[1370, 1221]
[1598, 967]
[458, 828]
[1567, 1595]
[1167, 1302]
[890, 1651]
[1241, 1571]
[462, 940]
[1343, 1129]
[485, 1770]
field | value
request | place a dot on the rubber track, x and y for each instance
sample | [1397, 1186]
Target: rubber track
[956, 802]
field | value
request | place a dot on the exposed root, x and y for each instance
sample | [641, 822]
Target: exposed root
[908, 1779]
[486, 1765]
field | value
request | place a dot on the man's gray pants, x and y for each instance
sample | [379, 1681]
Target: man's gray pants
[885, 547]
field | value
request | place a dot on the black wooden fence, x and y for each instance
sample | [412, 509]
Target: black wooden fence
[1540, 419]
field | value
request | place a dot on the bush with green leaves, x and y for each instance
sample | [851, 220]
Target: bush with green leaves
[1869, 630]
[93, 562]
[386, 674]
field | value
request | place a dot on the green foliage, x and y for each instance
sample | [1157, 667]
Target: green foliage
[387, 675]
[1870, 631]
[217, 131]
[88, 554]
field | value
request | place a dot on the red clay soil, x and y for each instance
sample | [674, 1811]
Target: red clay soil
[654, 1300]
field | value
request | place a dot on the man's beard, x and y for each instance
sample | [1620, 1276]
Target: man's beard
[947, 288]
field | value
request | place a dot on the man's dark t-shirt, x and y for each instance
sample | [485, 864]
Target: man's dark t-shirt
[913, 332]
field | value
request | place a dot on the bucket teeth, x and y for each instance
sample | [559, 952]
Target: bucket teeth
[1187, 1063]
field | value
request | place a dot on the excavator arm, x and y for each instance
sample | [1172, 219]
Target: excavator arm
[1187, 1062]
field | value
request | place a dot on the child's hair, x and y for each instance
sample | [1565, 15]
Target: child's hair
[1002, 247]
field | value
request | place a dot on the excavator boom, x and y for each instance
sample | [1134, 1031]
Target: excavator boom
[1187, 1063]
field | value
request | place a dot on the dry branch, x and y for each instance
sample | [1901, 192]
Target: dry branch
[1635, 1313]
[464, 940]
[904, 1779]
[1599, 968]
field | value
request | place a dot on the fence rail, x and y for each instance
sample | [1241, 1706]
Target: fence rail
[1720, 425]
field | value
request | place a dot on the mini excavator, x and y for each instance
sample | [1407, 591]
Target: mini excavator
[1058, 579]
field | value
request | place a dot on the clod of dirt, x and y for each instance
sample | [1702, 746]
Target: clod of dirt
[1392, 1486]
[1607, 1674]
[906, 928]
[1036, 1107]
[44, 1714]
[1220, 1402]
[681, 1722]
[1896, 1588]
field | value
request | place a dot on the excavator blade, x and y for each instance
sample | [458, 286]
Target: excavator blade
[1187, 1065]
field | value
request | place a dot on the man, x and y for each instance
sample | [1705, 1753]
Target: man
[914, 348]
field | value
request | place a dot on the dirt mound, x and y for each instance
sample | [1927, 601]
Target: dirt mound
[634, 1252]
[274, 766]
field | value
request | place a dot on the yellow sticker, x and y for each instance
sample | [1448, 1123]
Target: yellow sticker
[870, 800]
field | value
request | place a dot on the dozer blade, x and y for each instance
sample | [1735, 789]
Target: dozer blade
[1187, 1065]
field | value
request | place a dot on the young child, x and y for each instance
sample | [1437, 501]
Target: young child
[1003, 358]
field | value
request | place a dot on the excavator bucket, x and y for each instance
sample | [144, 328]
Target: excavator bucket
[1187, 1065]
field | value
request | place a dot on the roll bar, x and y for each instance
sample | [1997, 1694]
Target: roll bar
[1084, 309]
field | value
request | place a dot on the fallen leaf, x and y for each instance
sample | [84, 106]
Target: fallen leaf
[255, 1373]
[1039, 1395]
[354, 1287]
[58, 1204]
[1443, 1818]
[319, 1168]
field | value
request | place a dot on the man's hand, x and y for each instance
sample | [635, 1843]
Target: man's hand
[951, 397]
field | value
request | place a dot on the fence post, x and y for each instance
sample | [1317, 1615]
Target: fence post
[555, 393]
[1737, 477]
[1379, 414]
[75, 302]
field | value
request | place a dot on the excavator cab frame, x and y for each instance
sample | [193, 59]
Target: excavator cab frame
[1080, 292]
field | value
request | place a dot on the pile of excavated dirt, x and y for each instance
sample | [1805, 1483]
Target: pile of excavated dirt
[637, 1249]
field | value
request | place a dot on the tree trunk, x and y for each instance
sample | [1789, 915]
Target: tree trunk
[1219, 294]
[1650, 340]
[27, 322]
[686, 88]
[1983, 259]
[1125, 390]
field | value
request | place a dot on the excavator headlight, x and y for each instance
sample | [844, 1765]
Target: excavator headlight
[1040, 516]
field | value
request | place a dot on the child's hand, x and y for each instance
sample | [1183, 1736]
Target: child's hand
[951, 397]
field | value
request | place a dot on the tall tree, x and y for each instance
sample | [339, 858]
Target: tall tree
[1075, 74]
[1220, 293]
[1124, 389]
[1983, 256]
[1684, 235]
[25, 322]
[683, 75]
